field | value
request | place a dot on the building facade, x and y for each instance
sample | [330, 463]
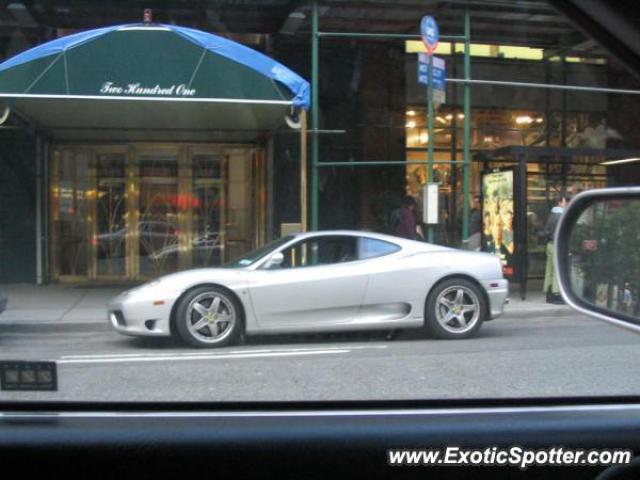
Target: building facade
[104, 193]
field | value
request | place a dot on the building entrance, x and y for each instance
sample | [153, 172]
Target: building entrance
[137, 211]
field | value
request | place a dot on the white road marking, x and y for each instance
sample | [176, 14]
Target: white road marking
[210, 354]
[200, 357]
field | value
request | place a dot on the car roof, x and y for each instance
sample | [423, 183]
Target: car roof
[403, 242]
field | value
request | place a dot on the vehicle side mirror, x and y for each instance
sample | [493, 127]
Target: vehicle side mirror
[597, 255]
[275, 260]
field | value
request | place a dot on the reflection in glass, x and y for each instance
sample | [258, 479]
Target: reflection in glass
[72, 214]
[138, 212]
[320, 251]
[110, 208]
[207, 207]
[157, 228]
[605, 258]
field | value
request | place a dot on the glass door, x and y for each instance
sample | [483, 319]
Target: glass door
[138, 211]
[110, 229]
[208, 213]
[157, 229]
[70, 214]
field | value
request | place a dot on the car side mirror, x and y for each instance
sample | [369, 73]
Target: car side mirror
[597, 255]
[275, 260]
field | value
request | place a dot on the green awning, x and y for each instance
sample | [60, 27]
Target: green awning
[144, 78]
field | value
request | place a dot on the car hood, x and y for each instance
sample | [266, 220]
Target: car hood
[228, 277]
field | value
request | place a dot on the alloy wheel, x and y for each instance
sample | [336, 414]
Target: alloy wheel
[457, 309]
[210, 317]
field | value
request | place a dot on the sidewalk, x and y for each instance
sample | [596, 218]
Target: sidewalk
[56, 307]
[53, 308]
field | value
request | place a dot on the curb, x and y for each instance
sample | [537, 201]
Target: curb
[48, 328]
[529, 313]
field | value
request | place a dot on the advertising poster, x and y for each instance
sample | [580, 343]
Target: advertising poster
[498, 218]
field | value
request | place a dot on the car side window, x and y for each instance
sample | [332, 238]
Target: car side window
[372, 247]
[320, 251]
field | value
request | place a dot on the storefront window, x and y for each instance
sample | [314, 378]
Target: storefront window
[493, 132]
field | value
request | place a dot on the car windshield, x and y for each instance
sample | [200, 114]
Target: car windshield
[253, 256]
[287, 200]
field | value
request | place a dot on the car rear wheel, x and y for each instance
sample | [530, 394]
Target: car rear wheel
[208, 317]
[455, 309]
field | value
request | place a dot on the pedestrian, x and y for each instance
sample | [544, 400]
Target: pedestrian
[475, 225]
[488, 245]
[627, 298]
[551, 288]
[407, 226]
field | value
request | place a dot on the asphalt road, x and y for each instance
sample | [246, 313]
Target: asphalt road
[512, 357]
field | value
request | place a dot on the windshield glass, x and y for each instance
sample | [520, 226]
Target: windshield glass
[253, 256]
[149, 159]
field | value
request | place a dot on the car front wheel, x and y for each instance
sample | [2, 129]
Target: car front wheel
[208, 317]
[455, 309]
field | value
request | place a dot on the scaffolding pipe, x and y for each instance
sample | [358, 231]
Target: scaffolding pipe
[303, 171]
[432, 140]
[386, 163]
[467, 128]
[406, 36]
[552, 86]
[315, 115]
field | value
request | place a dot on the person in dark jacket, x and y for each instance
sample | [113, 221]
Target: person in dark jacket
[3, 301]
[407, 226]
[475, 224]
[550, 287]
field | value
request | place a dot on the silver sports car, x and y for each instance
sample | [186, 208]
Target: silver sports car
[320, 282]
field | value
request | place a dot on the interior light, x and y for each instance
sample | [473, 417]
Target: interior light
[424, 137]
[411, 124]
[411, 113]
[449, 116]
[441, 120]
[539, 120]
[460, 116]
[524, 120]
[621, 161]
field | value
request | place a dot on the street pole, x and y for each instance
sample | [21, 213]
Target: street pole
[315, 116]
[430, 229]
[303, 171]
[467, 127]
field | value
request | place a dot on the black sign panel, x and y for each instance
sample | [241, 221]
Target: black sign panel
[28, 376]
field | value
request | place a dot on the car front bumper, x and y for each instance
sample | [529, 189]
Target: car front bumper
[141, 314]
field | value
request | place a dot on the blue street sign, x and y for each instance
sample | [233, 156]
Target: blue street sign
[430, 33]
[439, 76]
